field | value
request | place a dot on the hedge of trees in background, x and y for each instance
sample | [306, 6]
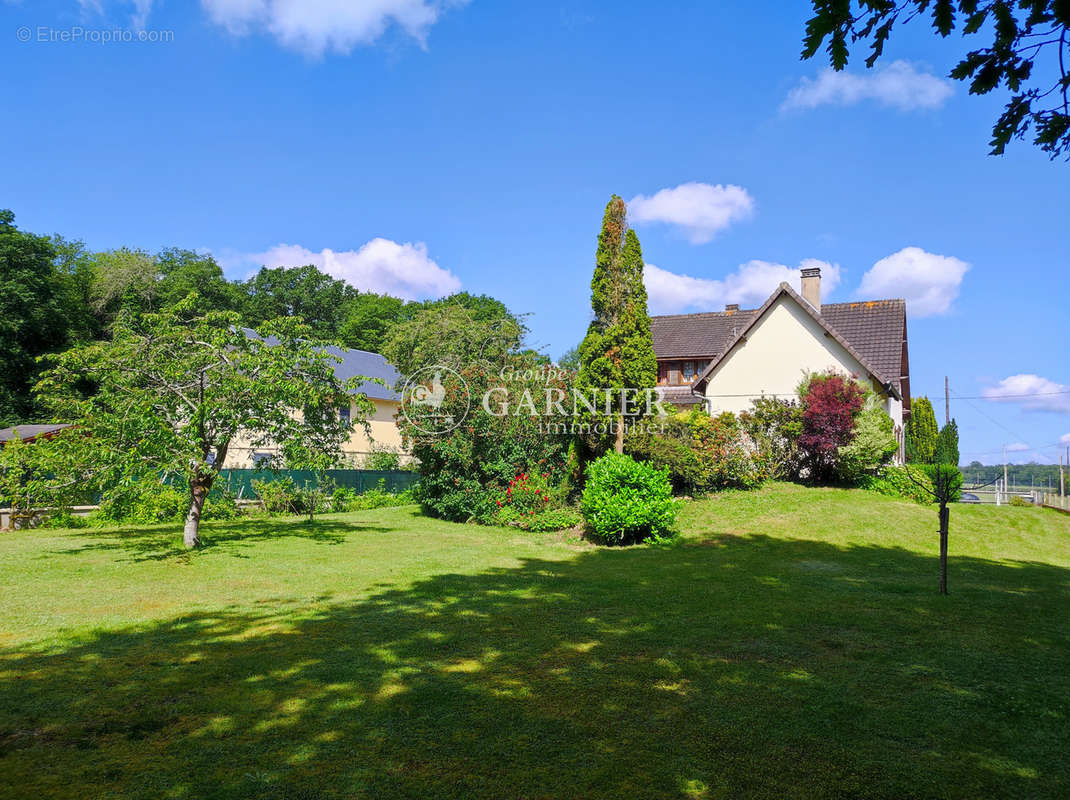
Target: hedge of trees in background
[56, 293]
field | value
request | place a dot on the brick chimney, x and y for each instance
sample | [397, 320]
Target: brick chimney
[811, 287]
[732, 307]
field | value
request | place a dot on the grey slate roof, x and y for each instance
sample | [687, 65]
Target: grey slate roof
[358, 362]
[873, 330]
[370, 365]
[27, 432]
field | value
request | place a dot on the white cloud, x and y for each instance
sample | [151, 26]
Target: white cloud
[930, 283]
[138, 18]
[381, 266]
[1018, 447]
[1065, 439]
[327, 25]
[699, 208]
[1031, 392]
[898, 85]
[313, 27]
[750, 285]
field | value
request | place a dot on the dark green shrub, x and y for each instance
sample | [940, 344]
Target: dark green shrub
[700, 452]
[627, 501]
[279, 496]
[145, 501]
[220, 504]
[773, 427]
[895, 482]
[64, 519]
[465, 470]
[382, 459]
[347, 499]
[554, 519]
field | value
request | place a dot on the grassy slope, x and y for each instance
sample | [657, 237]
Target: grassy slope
[792, 645]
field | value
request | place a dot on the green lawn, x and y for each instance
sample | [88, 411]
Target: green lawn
[792, 644]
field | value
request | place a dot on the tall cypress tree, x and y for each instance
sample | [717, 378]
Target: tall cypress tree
[921, 432]
[618, 351]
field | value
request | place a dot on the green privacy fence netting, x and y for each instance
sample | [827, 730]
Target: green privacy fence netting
[239, 482]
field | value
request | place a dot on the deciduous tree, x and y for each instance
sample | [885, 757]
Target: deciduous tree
[124, 280]
[451, 336]
[174, 390]
[183, 272]
[319, 300]
[369, 320]
[32, 316]
[1020, 32]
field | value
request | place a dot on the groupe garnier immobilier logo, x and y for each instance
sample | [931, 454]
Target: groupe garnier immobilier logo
[436, 399]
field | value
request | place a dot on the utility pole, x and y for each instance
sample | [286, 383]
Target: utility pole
[1062, 479]
[1004, 468]
[947, 402]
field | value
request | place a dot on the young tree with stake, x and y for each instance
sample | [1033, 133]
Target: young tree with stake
[945, 488]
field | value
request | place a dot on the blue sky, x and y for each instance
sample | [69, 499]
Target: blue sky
[433, 146]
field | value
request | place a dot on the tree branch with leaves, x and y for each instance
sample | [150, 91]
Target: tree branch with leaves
[172, 391]
[1029, 54]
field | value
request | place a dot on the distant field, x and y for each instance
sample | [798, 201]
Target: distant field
[790, 645]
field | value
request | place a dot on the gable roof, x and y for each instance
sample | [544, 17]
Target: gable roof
[872, 332]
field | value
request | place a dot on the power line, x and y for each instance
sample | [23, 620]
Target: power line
[998, 397]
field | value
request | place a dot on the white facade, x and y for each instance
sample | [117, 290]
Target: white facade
[774, 356]
[382, 434]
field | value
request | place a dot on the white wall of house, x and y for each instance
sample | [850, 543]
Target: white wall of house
[784, 344]
[383, 434]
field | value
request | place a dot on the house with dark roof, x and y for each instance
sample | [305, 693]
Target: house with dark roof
[382, 432]
[29, 433]
[726, 359]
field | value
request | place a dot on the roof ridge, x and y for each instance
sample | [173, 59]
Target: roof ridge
[782, 289]
[704, 314]
[864, 302]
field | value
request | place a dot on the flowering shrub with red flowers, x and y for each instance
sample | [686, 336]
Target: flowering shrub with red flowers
[465, 471]
[531, 501]
[527, 493]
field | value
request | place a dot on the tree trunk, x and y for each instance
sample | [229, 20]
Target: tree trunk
[199, 486]
[945, 514]
[618, 444]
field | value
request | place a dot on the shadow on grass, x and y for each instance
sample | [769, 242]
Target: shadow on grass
[164, 542]
[750, 668]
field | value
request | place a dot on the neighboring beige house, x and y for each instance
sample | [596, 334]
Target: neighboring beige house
[726, 359]
[383, 433]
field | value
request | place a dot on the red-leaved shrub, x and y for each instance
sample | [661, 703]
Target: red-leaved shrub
[830, 402]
